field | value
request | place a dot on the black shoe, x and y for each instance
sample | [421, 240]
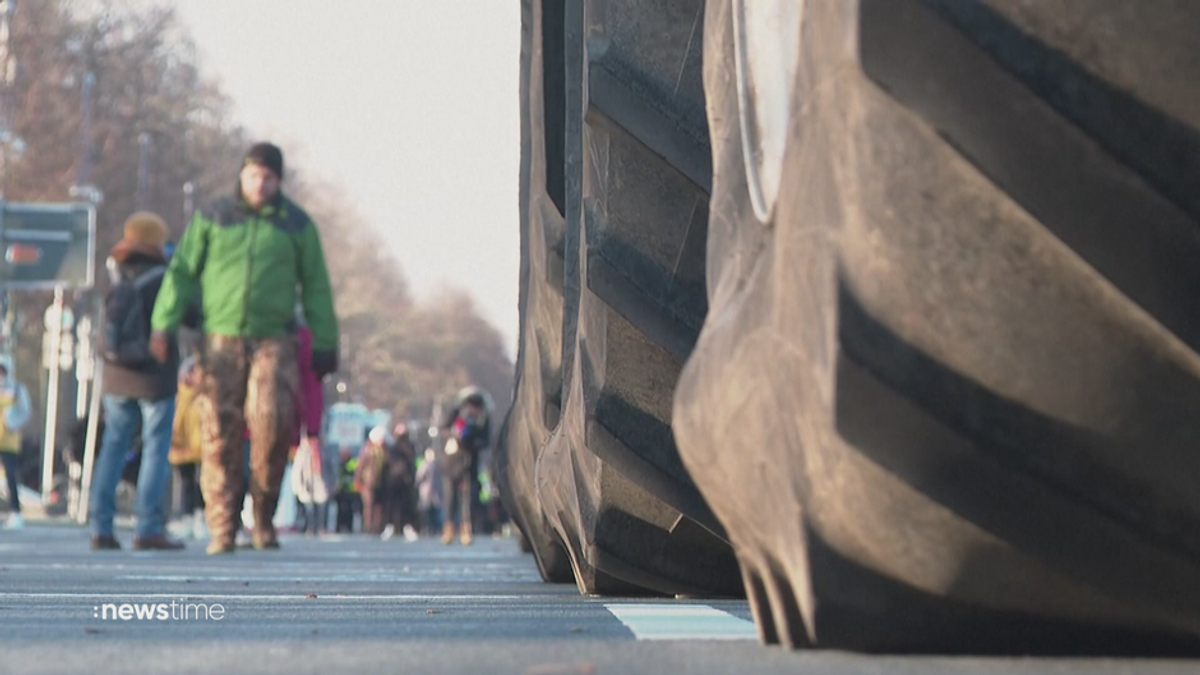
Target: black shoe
[156, 542]
[105, 542]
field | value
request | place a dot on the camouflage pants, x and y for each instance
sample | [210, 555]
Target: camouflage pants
[248, 384]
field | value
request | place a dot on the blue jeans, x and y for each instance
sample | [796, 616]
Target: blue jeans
[121, 417]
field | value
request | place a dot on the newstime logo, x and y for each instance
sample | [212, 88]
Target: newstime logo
[159, 611]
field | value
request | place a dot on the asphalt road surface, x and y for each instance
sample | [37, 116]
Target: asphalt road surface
[348, 604]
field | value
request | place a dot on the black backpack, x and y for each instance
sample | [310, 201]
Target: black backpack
[127, 324]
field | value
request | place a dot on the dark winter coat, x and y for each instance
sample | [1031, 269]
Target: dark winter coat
[153, 381]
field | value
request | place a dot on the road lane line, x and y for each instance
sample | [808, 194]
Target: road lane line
[681, 622]
[365, 577]
[299, 595]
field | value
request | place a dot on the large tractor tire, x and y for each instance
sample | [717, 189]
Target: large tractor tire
[538, 391]
[947, 394]
[624, 149]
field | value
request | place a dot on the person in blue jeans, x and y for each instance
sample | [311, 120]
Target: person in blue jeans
[135, 391]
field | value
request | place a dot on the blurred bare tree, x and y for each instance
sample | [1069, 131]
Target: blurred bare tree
[97, 81]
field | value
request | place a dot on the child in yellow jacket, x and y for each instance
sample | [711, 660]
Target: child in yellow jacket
[185, 445]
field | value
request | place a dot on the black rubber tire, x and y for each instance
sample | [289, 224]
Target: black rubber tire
[538, 387]
[610, 480]
[947, 394]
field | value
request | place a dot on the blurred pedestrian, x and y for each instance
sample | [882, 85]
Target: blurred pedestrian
[73, 453]
[310, 485]
[348, 502]
[399, 496]
[138, 388]
[429, 493]
[14, 413]
[186, 443]
[312, 480]
[469, 427]
[250, 257]
[368, 479]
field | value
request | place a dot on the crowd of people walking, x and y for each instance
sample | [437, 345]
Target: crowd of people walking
[214, 358]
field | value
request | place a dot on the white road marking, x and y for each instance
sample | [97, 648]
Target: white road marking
[681, 622]
[463, 576]
[301, 596]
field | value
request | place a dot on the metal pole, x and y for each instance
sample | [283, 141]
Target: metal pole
[85, 130]
[89, 443]
[52, 399]
[189, 204]
[84, 364]
[143, 174]
[81, 397]
[82, 377]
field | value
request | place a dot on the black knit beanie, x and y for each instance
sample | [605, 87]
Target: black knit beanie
[267, 155]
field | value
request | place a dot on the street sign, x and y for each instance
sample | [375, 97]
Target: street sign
[347, 425]
[47, 245]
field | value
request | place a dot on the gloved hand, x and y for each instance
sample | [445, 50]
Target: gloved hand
[324, 362]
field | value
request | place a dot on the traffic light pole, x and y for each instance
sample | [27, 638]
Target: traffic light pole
[89, 444]
[51, 432]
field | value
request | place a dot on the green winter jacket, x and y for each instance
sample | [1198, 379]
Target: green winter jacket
[246, 266]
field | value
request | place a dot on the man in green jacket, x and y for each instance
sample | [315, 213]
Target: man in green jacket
[249, 257]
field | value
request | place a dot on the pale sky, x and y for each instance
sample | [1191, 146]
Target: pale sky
[409, 105]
